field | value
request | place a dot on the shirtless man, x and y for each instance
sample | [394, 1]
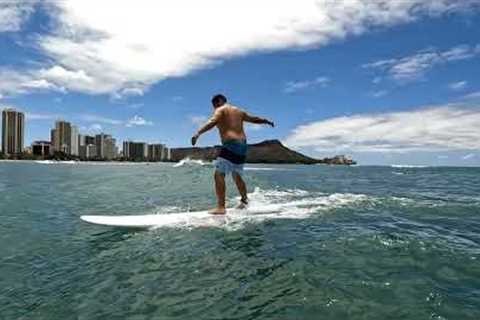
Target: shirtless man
[229, 121]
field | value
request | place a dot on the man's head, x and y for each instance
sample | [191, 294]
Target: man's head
[219, 100]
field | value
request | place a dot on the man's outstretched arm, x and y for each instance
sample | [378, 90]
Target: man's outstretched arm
[257, 120]
[211, 123]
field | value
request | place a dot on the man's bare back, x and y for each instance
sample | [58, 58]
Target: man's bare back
[230, 123]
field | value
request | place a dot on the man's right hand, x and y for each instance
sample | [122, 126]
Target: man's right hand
[270, 123]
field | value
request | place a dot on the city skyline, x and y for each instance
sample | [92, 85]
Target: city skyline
[65, 138]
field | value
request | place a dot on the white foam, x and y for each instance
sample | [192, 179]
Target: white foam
[266, 169]
[46, 162]
[117, 163]
[56, 162]
[272, 204]
[191, 162]
[407, 166]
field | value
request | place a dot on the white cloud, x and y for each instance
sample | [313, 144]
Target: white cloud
[468, 156]
[14, 82]
[93, 128]
[135, 105]
[41, 116]
[132, 91]
[294, 86]
[99, 119]
[138, 121]
[377, 80]
[96, 120]
[75, 80]
[177, 98]
[14, 13]
[450, 127]
[9, 106]
[415, 66]
[40, 84]
[253, 127]
[198, 120]
[460, 52]
[128, 92]
[379, 93]
[456, 86]
[94, 49]
[472, 95]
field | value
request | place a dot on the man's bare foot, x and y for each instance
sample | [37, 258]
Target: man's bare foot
[217, 211]
[243, 203]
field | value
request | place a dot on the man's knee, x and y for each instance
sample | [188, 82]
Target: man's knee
[219, 174]
[237, 177]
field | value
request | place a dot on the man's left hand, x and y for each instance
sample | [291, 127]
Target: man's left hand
[194, 139]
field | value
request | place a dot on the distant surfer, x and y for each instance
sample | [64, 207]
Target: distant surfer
[229, 121]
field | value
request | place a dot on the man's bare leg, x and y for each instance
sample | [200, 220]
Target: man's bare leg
[242, 189]
[220, 191]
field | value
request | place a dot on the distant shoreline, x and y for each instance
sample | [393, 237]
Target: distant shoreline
[85, 162]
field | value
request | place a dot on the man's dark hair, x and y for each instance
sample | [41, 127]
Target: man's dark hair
[219, 99]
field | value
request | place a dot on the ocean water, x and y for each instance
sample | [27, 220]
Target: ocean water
[328, 243]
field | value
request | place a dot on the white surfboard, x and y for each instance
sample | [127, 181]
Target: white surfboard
[193, 218]
[151, 220]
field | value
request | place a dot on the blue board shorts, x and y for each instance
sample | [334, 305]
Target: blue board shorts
[231, 157]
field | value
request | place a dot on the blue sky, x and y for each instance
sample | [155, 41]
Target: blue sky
[385, 82]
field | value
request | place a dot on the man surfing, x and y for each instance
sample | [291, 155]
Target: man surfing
[229, 121]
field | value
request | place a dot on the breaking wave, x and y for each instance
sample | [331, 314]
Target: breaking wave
[267, 205]
[266, 169]
[407, 166]
[56, 162]
[291, 204]
[191, 162]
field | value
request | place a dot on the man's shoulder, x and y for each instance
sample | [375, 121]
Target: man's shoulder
[232, 107]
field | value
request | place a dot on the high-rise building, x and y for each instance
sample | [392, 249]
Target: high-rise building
[13, 129]
[135, 150]
[86, 147]
[74, 141]
[62, 137]
[110, 148]
[88, 151]
[105, 146]
[156, 152]
[166, 154]
[81, 141]
[116, 152]
[85, 140]
[41, 148]
[53, 133]
[126, 149]
[99, 143]
[89, 140]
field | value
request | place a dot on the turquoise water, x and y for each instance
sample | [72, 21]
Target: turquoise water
[343, 243]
